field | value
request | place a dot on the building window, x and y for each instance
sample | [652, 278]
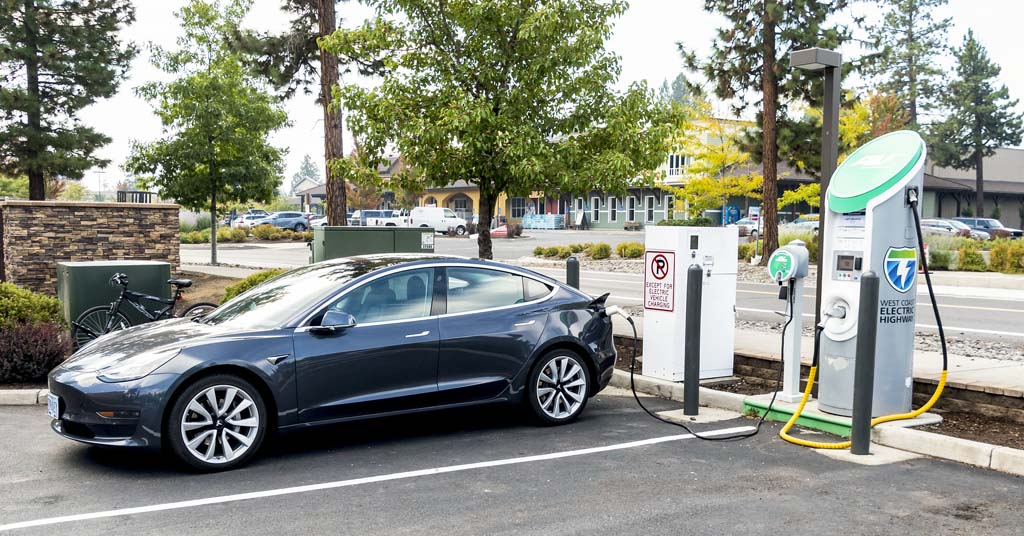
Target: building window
[650, 209]
[595, 209]
[675, 164]
[517, 207]
[670, 208]
[630, 208]
[430, 201]
[613, 209]
[579, 204]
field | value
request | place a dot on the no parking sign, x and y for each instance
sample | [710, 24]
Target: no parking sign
[660, 280]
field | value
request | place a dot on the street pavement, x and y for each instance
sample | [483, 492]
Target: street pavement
[407, 476]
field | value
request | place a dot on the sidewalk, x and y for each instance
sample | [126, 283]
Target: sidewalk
[995, 376]
[222, 271]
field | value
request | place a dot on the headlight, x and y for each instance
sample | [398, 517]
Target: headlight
[136, 367]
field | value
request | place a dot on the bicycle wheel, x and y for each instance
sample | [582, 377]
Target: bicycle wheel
[198, 309]
[93, 322]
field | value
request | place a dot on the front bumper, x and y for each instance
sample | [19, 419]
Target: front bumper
[82, 395]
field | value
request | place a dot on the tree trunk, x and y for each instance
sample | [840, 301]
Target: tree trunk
[483, 240]
[769, 129]
[979, 194]
[333, 144]
[36, 177]
[213, 225]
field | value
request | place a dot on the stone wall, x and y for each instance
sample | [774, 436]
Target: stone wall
[36, 235]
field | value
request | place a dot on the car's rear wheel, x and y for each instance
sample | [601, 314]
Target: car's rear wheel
[217, 423]
[559, 387]
[299, 228]
[460, 230]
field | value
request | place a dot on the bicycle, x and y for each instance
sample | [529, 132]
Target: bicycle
[103, 319]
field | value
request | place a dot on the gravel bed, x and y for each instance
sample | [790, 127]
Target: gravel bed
[630, 266]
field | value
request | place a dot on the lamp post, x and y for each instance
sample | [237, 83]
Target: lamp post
[830, 63]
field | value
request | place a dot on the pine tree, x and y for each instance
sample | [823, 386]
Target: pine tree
[909, 39]
[57, 57]
[749, 65]
[307, 171]
[981, 116]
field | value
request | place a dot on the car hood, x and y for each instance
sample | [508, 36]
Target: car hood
[121, 346]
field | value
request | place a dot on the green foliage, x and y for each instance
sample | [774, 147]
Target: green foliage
[202, 222]
[809, 241]
[280, 203]
[14, 187]
[216, 119]
[185, 227]
[745, 251]
[75, 191]
[969, 259]
[699, 221]
[249, 282]
[600, 251]
[953, 243]
[564, 252]
[1007, 256]
[809, 193]
[577, 248]
[265, 232]
[28, 352]
[551, 251]
[512, 97]
[22, 306]
[195, 237]
[630, 250]
[57, 58]
[982, 117]
[307, 172]
[939, 259]
[225, 234]
[966, 211]
[538, 251]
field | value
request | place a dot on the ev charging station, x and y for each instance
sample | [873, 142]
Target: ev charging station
[670, 252]
[869, 226]
[788, 266]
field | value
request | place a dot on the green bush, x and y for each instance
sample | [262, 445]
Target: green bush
[307, 236]
[600, 251]
[576, 248]
[249, 282]
[551, 251]
[953, 243]
[564, 252]
[22, 306]
[809, 240]
[939, 259]
[266, 232]
[202, 222]
[225, 234]
[969, 259]
[185, 227]
[699, 221]
[630, 250]
[538, 251]
[745, 252]
[1007, 256]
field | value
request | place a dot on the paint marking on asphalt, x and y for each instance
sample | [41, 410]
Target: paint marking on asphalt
[948, 329]
[359, 481]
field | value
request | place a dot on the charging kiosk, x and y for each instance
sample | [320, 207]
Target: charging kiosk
[788, 266]
[670, 252]
[869, 226]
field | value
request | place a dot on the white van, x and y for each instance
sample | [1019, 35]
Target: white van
[441, 219]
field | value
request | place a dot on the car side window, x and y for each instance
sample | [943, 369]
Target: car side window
[471, 289]
[449, 213]
[402, 296]
[535, 290]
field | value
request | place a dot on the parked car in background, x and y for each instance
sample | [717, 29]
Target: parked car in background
[340, 340]
[441, 219]
[383, 218]
[936, 227]
[296, 221]
[974, 233]
[992, 226]
[748, 227]
[246, 220]
[802, 225]
[318, 221]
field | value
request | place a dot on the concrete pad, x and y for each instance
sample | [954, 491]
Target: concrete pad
[19, 397]
[705, 415]
[880, 455]
[1008, 460]
[936, 445]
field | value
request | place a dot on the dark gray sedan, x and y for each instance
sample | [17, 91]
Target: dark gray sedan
[334, 341]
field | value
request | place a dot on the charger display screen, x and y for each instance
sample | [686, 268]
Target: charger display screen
[845, 263]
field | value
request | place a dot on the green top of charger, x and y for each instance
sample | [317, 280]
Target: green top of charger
[872, 169]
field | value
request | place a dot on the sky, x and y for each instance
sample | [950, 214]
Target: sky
[645, 39]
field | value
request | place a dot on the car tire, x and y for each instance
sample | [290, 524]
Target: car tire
[753, 236]
[558, 388]
[299, 228]
[242, 418]
[460, 230]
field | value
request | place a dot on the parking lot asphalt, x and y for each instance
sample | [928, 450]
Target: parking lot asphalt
[661, 485]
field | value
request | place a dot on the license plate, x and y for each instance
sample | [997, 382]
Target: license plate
[53, 406]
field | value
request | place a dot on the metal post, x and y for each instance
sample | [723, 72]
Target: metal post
[691, 356]
[864, 364]
[829, 161]
[572, 272]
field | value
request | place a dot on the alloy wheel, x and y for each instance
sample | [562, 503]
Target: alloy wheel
[561, 387]
[220, 424]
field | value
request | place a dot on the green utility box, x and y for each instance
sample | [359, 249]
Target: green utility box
[335, 242]
[81, 285]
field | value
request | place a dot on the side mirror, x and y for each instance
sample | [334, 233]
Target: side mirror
[334, 321]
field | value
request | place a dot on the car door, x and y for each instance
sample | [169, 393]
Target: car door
[386, 362]
[492, 325]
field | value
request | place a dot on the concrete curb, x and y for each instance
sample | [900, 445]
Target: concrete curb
[895, 435]
[22, 397]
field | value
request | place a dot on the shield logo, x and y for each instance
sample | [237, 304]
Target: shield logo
[901, 268]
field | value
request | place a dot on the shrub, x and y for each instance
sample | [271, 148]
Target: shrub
[699, 221]
[266, 232]
[600, 251]
[199, 237]
[630, 250]
[29, 351]
[185, 227]
[471, 228]
[745, 252]
[939, 260]
[516, 229]
[202, 222]
[288, 234]
[564, 252]
[225, 234]
[551, 251]
[969, 259]
[183, 238]
[1007, 256]
[538, 251]
[22, 306]
[307, 236]
[249, 282]
[576, 248]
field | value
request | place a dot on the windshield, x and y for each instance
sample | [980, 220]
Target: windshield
[995, 224]
[958, 224]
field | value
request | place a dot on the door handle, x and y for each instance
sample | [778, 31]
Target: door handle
[527, 323]
[420, 334]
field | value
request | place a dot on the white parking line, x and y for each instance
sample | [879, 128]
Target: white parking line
[359, 481]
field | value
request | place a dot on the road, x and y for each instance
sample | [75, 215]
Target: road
[488, 471]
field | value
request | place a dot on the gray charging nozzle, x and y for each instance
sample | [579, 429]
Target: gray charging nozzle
[615, 310]
[837, 311]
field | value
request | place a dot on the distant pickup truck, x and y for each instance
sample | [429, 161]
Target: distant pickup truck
[380, 218]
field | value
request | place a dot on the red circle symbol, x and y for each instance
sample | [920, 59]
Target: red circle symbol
[659, 266]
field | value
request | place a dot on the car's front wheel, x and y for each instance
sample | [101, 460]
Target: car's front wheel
[299, 228]
[217, 423]
[460, 230]
[558, 387]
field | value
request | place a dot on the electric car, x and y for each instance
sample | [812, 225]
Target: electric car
[339, 340]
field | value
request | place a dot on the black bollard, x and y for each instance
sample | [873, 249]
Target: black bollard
[572, 272]
[864, 366]
[691, 356]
